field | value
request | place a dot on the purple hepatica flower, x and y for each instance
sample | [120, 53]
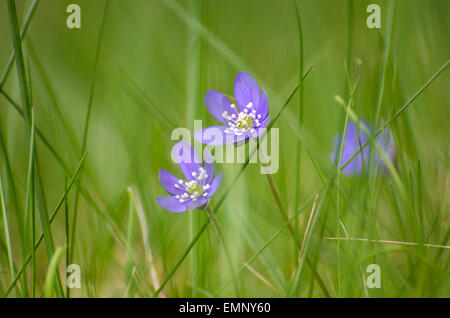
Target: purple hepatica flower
[387, 144]
[240, 122]
[351, 145]
[356, 138]
[199, 186]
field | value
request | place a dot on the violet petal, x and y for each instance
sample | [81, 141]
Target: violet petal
[246, 90]
[217, 104]
[170, 203]
[216, 136]
[191, 205]
[186, 158]
[168, 182]
[214, 185]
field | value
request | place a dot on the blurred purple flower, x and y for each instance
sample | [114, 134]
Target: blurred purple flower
[354, 139]
[240, 122]
[200, 183]
[386, 142]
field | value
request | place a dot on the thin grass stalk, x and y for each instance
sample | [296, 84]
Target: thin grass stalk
[105, 216]
[387, 242]
[17, 40]
[26, 24]
[12, 191]
[67, 127]
[130, 234]
[154, 111]
[285, 216]
[51, 272]
[308, 225]
[300, 113]
[341, 150]
[30, 204]
[349, 39]
[52, 217]
[373, 161]
[387, 54]
[7, 232]
[55, 105]
[277, 233]
[145, 237]
[27, 101]
[194, 70]
[67, 234]
[299, 270]
[11, 182]
[263, 279]
[115, 231]
[225, 247]
[86, 124]
[347, 62]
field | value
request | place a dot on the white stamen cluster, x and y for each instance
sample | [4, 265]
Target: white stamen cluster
[194, 189]
[244, 122]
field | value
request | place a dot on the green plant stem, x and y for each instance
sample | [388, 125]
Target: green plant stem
[130, 234]
[25, 93]
[51, 272]
[300, 115]
[86, 125]
[227, 252]
[393, 5]
[373, 160]
[277, 233]
[194, 91]
[7, 234]
[67, 230]
[30, 204]
[22, 35]
[52, 217]
[298, 244]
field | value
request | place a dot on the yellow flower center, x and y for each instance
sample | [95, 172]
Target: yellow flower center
[194, 188]
[244, 121]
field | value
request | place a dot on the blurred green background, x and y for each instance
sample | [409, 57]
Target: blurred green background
[156, 61]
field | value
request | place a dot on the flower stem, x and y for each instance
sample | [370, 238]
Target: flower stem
[277, 199]
[227, 252]
[300, 113]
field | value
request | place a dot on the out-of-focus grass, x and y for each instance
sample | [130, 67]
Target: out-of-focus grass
[156, 61]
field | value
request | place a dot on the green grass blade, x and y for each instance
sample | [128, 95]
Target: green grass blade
[26, 101]
[338, 178]
[17, 40]
[276, 196]
[7, 230]
[300, 114]
[52, 217]
[67, 233]
[129, 269]
[153, 110]
[30, 203]
[87, 121]
[387, 55]
[278, 232]
[194, 74]
[225, 247]
[52, 272]
[22, 35]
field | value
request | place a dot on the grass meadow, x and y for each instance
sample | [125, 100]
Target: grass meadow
[86, 118]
